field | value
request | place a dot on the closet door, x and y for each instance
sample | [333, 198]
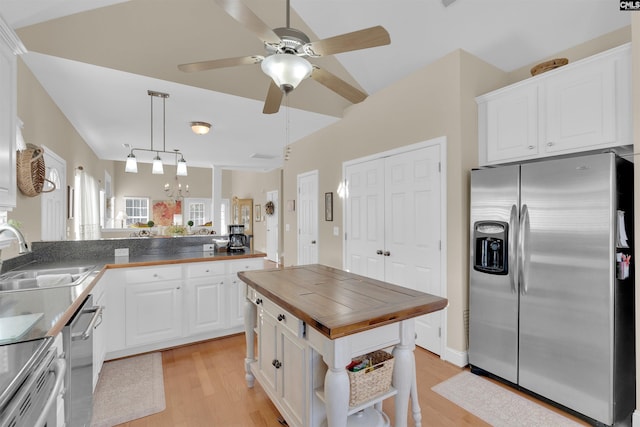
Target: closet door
[364, 225]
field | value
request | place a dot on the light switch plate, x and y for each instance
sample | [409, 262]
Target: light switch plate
[208, 247]
[121, 252]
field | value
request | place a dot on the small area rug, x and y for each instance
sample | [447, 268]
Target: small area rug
[497, 405]
[128, 389]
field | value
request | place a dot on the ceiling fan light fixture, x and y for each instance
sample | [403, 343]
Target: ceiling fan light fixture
[132, 164]
[157, 168]
[287, 70]
[200, 128]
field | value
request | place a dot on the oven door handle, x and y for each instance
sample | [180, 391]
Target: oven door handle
[59, 367]
[97, 315]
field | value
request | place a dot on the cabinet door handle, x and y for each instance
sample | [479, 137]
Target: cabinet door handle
[531, 147]
[549, 144]
[276, 364]
[178, 287]
[379, 252]
[387, 253]
[280, 317]
[258, 301]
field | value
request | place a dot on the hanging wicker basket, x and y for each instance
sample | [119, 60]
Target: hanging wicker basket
[31, 171]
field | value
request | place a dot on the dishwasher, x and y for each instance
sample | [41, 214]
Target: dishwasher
[77, 341]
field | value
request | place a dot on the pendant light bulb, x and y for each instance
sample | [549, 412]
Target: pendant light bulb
[157, 168]
[132, 164]
[181, 168]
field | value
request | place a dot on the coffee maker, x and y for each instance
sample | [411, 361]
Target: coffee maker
[237, 238]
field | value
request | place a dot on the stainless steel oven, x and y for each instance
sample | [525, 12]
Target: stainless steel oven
[77, 339]
[31, 377]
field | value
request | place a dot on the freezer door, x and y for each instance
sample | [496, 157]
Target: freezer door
[493, 295]
[566, 283]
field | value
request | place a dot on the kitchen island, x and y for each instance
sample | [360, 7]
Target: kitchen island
[311, 321]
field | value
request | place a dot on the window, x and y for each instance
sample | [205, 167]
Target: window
[136, 209]
[197, 210]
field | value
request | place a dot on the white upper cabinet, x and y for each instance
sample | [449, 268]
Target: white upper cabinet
[579, 107]
[8, 123]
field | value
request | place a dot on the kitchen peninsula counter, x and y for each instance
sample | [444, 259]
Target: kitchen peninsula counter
[57, 304]
[336, 315]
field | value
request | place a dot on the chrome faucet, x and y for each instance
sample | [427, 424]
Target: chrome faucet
[24, 248]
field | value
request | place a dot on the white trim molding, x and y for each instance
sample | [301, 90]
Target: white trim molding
[456, 357]
[10, 38]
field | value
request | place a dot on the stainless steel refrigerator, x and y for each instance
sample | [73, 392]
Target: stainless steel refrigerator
[551, 298]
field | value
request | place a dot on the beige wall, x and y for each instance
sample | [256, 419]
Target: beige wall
[251, 185]
[438, 100]
[44, 124]
[591, 47]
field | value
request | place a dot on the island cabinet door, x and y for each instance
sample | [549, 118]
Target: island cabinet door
[267, 353]
[205, 304]
[292, 388]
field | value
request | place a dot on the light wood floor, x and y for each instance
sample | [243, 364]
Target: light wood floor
[205, 386]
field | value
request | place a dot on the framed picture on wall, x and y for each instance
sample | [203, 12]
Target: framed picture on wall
[328, 206]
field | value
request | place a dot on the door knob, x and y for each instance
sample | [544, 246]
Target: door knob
[258, 301]
[280, 317]
[276, 363]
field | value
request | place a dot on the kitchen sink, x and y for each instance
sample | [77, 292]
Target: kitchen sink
[18, 280]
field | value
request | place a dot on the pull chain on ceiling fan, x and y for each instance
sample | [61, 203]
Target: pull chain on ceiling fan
[287, 50]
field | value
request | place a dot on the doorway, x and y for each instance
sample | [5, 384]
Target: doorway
[308, 218]
[54, 203]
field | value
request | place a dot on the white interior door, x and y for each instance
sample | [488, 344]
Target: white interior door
[273, 227]
[412, 231]
[53, 203]
[364, 219]
[308, 218]
[394, 222]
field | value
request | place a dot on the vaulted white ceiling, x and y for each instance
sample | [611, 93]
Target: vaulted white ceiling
[98, 58]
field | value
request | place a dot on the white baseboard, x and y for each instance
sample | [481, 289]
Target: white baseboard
[635, 418]
[458, 358]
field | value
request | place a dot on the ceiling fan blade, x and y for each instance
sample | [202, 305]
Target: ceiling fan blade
[220, 63]
[241, 13]
[361, 39]
[274, 99]
[338, 85]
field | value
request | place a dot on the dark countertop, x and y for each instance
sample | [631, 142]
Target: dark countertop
[57, 304]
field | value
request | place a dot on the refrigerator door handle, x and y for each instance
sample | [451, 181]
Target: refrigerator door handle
[522, 254]
[513, 248]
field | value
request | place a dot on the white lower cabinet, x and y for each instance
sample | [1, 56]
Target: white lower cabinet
[150, 308]
[283, 360]
[153, 312]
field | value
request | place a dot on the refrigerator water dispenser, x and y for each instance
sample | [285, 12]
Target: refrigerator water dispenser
[490, 240]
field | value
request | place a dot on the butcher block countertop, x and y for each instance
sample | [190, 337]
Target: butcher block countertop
[338, 303]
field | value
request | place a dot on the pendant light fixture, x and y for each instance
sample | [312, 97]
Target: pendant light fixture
[157, 168]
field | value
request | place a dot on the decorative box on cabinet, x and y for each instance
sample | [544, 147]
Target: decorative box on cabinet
[582, 106]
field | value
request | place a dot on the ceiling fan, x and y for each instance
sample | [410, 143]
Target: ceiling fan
[286, 52]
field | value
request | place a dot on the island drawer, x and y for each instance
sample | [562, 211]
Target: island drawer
[246, 265]
[284, 318]
[205, 269]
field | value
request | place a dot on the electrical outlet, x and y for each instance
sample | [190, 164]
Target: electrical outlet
[208, 247]
[121, 252]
